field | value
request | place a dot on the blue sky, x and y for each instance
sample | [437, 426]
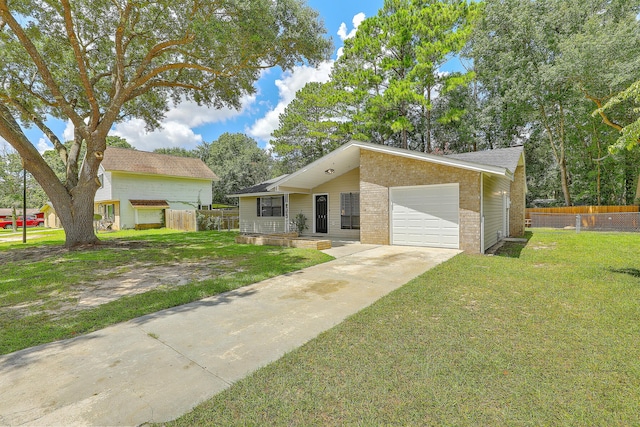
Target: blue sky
[188, 125]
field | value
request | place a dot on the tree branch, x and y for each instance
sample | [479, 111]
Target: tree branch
[32, 160]
[602, 114]
[159, 49]
[29, 89]
[40, 64]
[120, 47]
[35, 118]
[84, 77]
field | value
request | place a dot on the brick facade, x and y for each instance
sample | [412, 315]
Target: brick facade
[379, 172]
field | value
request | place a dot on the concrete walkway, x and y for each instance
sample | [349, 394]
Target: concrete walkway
[158, 367]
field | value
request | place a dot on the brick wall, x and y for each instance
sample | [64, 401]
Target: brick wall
[380, 171]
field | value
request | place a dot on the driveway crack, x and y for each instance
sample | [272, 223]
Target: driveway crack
[175, 350]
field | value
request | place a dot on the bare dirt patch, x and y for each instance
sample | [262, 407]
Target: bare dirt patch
[143, 278]
[41, 253]
[109, 285]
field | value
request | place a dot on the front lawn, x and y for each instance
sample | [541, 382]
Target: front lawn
[48, 293]
[547, 334]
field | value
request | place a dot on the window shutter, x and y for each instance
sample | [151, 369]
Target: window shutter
[258, 211]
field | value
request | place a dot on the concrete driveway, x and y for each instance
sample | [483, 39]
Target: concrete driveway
[157, 367]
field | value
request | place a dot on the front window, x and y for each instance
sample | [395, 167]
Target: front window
[109, 212]
[350, 211]
[270, 206]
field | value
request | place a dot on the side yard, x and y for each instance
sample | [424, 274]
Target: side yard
[48, 293]
[546, 334]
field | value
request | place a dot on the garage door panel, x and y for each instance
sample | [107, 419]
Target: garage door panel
[425, 216]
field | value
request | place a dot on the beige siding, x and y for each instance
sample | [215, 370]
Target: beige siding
[495, 189]
[379, 172]
[251, 223]
[302, 203]
[346, 183]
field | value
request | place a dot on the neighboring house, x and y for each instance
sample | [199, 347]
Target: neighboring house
[390, 196]
[8, 212]
[51, 220]
[137, 186]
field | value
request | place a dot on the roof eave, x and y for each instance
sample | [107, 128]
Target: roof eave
[311, 165]
[477, 167]
[495, 170]
[260, 194]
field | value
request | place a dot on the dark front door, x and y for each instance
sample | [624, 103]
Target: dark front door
[321, 214]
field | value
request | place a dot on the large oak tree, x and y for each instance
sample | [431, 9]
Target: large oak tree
[95, 62]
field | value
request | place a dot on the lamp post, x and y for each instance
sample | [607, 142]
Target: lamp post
[24, 204]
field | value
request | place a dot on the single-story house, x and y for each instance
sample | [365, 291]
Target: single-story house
[383, 195]
[8, 212]
[137, 186]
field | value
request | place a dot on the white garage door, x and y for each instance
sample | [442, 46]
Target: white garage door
[425, 216]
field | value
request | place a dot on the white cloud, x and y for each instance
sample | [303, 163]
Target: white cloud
[290, 83]
[193, 115]
[67, 134]
[357, 20]
[343, 34]
[44, 145]
[176, 128]
[172, 134]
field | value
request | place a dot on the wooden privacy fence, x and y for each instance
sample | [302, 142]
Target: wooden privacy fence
[582, 210]
[219, 219]
[180, 220]
[597, 218]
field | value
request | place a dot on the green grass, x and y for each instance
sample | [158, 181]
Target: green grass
[548, 334]
[40, 277]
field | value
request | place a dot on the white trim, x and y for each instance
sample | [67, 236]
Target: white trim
[262, 194]
[313, 202]
[357, 145]
[287, 225]
[505, 214]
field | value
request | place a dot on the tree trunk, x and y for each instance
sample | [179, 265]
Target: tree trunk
[558, 149]
[563, 158]
[77, 219]
[564, 177]
[74, 205]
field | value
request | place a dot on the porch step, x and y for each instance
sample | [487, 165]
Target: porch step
[282, 240]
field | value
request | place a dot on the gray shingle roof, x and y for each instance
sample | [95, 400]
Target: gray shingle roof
[259, 188]
[507, 158]
[134, 161]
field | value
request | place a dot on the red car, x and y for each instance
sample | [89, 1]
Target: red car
[32, 221]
